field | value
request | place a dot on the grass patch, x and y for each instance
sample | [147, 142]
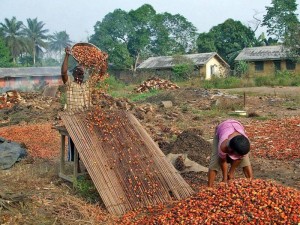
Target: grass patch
[86, 189]
[204, 114]
[282, 78]
[135, 97]
[118, 89]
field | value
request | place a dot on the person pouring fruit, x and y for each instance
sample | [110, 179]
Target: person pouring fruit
[77, 92]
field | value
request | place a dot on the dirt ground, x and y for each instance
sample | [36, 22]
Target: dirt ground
[30, 190]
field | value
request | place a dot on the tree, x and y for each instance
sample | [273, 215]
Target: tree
[206, 42]
[12, 32]
[140, 38]
[183, 67]
[4, 55]
[281, 19]
[112, 36]
[241, 68]
[58, 41]
[264, 41]
[179, 35]
[227, 39]
[292, 42]
[36, 37]
[128, 37]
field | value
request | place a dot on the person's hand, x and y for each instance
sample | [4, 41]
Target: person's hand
[68, 50]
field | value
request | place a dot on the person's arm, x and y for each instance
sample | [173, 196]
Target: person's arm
[233, 166]
[224, 168]
[248, 172]
[222, 160]
[64, 67]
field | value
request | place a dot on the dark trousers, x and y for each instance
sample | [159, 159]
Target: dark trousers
[71, 147]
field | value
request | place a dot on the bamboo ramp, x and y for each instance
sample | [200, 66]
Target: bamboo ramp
[126, 165]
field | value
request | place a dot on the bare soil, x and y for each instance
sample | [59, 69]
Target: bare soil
[31, 191]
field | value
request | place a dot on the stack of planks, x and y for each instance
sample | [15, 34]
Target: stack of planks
[126, 165]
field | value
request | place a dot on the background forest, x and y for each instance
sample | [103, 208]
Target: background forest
[131, 37]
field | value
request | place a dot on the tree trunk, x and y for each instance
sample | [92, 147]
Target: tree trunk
[34, 56]
[136, 61]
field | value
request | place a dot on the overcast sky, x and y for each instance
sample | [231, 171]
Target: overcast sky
[78, 17]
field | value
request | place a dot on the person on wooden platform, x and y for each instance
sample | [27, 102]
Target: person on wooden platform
[77, 93]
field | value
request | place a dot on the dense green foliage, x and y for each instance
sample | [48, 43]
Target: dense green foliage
[283, 78]
[12, 32]
[35, 37]
[292, 41]
[131, 36]
[227, 39]
[50, 62]
[281, 19]
[241, 68]
[182, 71]
[5, 57]
[183, 68]
[58, 41]
[283, 24]
[27, 43]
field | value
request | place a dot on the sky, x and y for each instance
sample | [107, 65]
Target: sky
[78, 17]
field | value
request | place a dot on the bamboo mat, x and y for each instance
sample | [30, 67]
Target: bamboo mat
[126, 165]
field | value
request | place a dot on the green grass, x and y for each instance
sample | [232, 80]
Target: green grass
[118, 89]
[86, 189]
[283, 78]
[135, 97]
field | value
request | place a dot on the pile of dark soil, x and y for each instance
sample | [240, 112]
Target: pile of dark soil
[190, 142]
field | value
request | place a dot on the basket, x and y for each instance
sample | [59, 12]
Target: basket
[83, 44]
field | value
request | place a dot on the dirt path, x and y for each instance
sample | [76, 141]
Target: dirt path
[269, 91]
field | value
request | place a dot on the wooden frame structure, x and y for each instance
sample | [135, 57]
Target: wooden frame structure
[127, 167]
[62, 162]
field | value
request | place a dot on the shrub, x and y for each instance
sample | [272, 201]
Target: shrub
[182, 71]
[241, 69]
[229, 82]
[264, 81]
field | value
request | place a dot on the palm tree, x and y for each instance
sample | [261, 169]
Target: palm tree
[12, 32]
[35, 35]
[58, 41]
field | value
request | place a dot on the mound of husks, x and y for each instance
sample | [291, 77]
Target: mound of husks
[240, 202]
[155, 83]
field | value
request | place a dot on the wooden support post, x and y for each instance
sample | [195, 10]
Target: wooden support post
[244, 100]
[76, 165]
[62, 167]
[62, 154]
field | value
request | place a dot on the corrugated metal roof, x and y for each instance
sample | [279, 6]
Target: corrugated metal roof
[30, 71]
[168, 61]
[263, 53]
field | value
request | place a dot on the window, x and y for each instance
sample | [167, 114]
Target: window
[277, 65]
[213, 70]
[290, 65]
[259, 66]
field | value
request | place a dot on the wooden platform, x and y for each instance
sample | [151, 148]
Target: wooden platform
[126, 165]
[62, 164]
